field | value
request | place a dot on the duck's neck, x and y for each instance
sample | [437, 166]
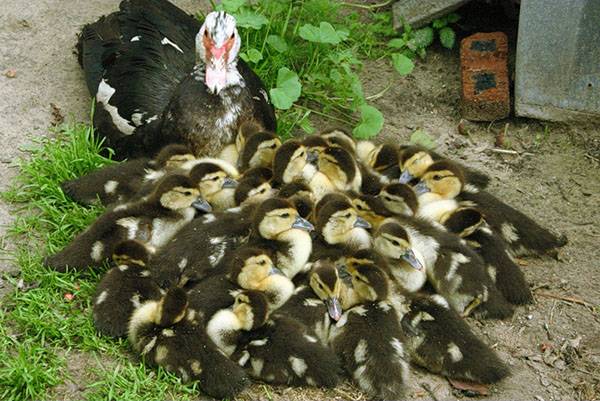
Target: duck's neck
[293, 260]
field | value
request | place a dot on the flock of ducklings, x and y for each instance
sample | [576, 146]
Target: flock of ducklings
[304, 262]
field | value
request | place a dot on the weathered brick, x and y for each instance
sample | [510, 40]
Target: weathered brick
[484, 75]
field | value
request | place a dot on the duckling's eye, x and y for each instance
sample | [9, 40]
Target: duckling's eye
[214, 178]
[395, 243]
[262, 191]
[437, 177]
[262, 263]
[303, 154]
[285, 215]
[273, 146]
[387, 198]
[347, 216]
[187, 193]
[360, 207]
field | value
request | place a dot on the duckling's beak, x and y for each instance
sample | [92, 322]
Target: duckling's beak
[334, 308]
[312, 156]
[405, 177]
[275, 272]
[412, 260]
[421, 188]
[362, 223]
[202, 206]
[229, 183]
[303, 224]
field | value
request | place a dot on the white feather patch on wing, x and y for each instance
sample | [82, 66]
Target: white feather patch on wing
[105, 92]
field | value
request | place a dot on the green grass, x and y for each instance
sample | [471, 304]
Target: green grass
[38, 325]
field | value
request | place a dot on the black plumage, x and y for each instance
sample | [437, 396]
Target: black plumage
[142, 65]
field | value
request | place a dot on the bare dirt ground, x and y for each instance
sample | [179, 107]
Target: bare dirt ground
[553, 346]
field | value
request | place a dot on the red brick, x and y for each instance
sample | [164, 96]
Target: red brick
[484, 75]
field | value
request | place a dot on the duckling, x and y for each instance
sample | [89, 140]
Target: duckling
[123, 288]
[384, 160]
[455, 271]
[283, 352]
[301, 196]
[249, 312]
[259, 150]
[414, 160]
[118, 183]
[405, 262]
[522, 234]
[339, 227]
[153, 221]
[231, 153]
[399, 199]
[437, 191]
[253, 269]
[369, 338]
[439, 340]
[277, 226]
[167, 333]
[254, 186]
[470, 224]
[371, 208]
[216, 184]
[337, 171]
[292, 161]
[339, 137]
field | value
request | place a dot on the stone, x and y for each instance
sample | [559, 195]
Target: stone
[418, 13]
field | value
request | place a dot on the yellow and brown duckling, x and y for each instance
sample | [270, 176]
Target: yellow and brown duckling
[292, 161]
[455, 271]
[437, 190]
[439, 340]
[123, 288]
[254, 186]
[253, 269]
[341, 137]
[249, 312]
[121, 182]
[470, 225]
[405, 262]
[522, 234]
[153, 221]
[414, 160]
[231, 153]
[168, 333]
[301, 196]
[337, 170]
[216, 182]
[259, 150]
[368, 338]
[340, 229]
[277, 226]
[399, 199]
[284, 351]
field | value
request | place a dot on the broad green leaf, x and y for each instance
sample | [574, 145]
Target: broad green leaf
[252, 56]
[452, 18]
[288, 89]
[232, 6]
[447, 37]
[250, 19]
[422, 138]
[402, 63]
[423, 37]
[371, 122]
[324, 33]
[397, 43]
[277, 43]
[439, 23]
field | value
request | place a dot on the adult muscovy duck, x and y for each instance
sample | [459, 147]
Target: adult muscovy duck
[160, 76]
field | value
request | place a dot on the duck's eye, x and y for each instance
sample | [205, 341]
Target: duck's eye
[206, 33]
[232, 35]
[285, 215]
[437, 177]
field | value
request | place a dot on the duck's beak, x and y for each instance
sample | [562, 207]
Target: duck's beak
[275, 272]
[202, 205]
[229, 182]
[312, 156]
[303, 224]
[421, 188]
[334, 308]
[362, 223]
[405, 177]
[412, 260]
